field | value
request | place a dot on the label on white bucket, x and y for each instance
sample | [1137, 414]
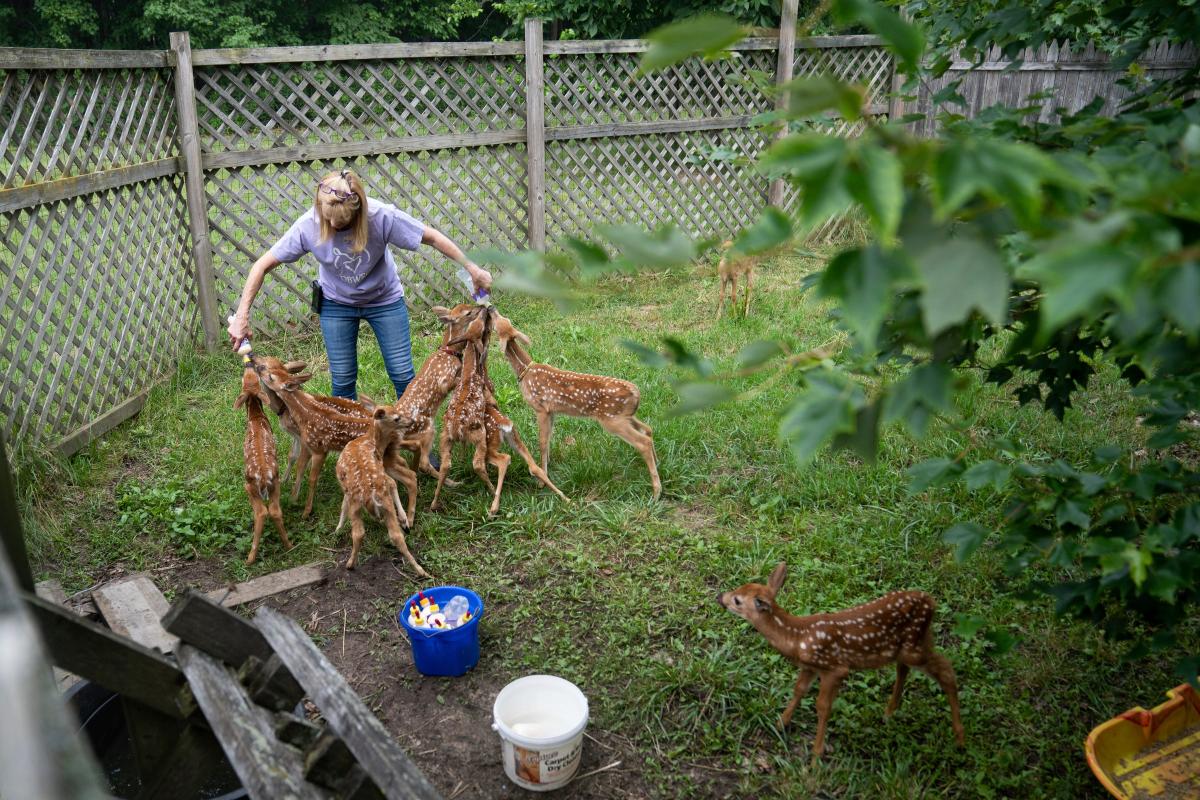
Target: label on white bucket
[547, 766]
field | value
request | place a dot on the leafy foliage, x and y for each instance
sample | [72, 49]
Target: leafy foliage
[1031, 257]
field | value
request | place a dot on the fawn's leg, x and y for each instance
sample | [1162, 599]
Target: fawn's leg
[315, 462]
[500, 461]
[397, 536]
[831, 681]
[513, 440]
[803, 681]
[749, 286]
[623, 428]
[441, 473]
[277, 515]
[400, 472]
[301, 468]
[293, 454]
[898, 688]
[357, 531]
[260, 515]
[938, 667]
[479, 464]
[545, 431]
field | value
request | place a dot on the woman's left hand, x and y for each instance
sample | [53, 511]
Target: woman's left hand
[482, 278]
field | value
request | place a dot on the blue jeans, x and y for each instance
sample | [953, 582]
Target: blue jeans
[339, 327]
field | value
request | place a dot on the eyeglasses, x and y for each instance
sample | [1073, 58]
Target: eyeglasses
[338, 193]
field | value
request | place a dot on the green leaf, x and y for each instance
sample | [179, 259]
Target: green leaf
[967, 625]
[959, 276]
[923, 392]
[700, 395]
[818, 165]
[965, 537]
[932, 472]
[666, 247]
[646, 355]
[759, 352]
[1181, 296]
[1076, 279]
[524, 273]
[822, 411]
[1001, 640]
[707, 34]
[987, 473]
[771, 229]
[862, 280]
[864, 440]
[810, 95]
[902, 37]
[876, 183]
[593, 259]
[1069, 511]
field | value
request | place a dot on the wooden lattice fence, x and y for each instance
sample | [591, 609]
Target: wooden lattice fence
[138, 187]
[96, 298]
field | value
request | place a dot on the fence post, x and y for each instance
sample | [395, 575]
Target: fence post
[535, 133]
[783, 74]
[189, 141]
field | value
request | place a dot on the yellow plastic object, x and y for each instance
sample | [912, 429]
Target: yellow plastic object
[1150, 754]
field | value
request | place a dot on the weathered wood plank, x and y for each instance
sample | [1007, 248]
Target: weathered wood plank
[352, 52]
[203, 623]
[116, 663]
[535, 131]
[267, 585]
[266, 766]
[69, 445]
[270, 684]
[384, 146]
[197, 206]
[346, 713]
[135, 608]
[55, 58]
[562, 132]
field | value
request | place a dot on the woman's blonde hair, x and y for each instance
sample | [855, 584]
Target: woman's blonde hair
[334, 213]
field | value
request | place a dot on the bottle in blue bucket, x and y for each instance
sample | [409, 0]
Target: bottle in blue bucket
[446, 651]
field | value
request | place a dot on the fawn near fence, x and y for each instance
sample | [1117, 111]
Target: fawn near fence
[136, 188]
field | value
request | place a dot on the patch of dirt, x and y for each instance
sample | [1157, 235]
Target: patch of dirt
[444, 724]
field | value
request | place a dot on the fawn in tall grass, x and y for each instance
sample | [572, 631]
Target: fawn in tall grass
[896, 628]
[732, 266]
[261, 466]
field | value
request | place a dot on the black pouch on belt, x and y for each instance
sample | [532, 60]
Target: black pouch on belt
[317, 297]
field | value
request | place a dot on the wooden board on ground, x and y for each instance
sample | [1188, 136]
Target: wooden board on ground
[267, 585]
[135, 608]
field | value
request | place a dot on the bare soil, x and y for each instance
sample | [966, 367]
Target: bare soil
[444, 724]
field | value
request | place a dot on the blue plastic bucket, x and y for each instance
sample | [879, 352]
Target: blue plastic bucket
[445, 652]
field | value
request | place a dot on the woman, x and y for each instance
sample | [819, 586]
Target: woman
[348, 234]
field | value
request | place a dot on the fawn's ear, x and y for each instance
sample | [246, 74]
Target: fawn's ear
[778, 576]
[241, 400]
[762, 605]
[295, 366]
[442, 313]
[380, 412]
[296, 381]
[367, 402]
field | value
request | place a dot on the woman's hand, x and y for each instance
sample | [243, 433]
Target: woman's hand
[239, 328]
[481, 277]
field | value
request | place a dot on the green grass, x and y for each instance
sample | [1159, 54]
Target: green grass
[616, 592]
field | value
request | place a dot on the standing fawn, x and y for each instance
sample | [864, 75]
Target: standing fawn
[262, 470]
[365, 484]
[730, 267]
[324, 429]
[474, 418]
[437, 378]
[612, 402]
[895, 628]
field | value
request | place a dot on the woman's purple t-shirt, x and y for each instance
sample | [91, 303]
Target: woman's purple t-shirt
[367, 278]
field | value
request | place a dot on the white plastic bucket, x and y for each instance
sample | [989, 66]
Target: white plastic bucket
[540, 719]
